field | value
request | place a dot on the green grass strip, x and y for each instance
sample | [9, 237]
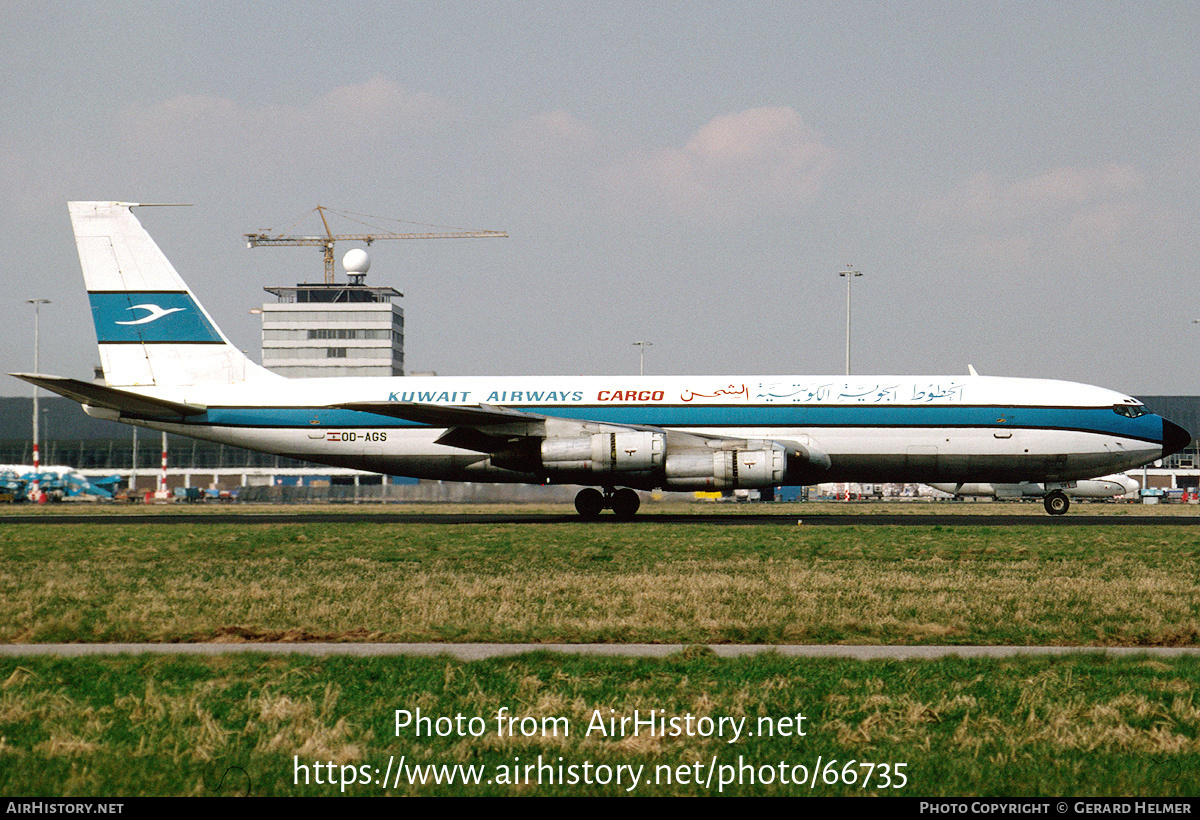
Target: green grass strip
[153, 725]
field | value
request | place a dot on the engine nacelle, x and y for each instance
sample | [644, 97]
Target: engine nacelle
[726, 469]
[642, 458]
[633, 451]
[753, 465]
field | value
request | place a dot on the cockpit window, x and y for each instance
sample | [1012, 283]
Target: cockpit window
[1130, 410]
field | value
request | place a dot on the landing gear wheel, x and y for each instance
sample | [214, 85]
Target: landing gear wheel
[1056, 502]
[625, 503]
[589, 503]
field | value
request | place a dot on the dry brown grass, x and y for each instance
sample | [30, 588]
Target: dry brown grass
[1084, 586]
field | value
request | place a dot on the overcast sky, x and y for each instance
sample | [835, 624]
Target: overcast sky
[1017, 182]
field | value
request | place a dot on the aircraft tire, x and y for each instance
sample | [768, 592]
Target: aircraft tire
[625, 503]
[589, 503]
[1056, 502]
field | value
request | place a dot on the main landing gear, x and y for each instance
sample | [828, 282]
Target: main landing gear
[1056, 502]
[624, 503]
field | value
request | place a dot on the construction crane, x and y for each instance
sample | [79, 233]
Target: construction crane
[254, 240]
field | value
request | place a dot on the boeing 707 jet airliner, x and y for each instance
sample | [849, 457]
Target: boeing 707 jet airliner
[167, 366]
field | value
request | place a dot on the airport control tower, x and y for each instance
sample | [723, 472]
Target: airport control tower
[332, 329]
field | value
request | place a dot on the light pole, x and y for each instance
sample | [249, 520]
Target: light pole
[642, 358]
[849, 274]
[37, 368]
[162, 482]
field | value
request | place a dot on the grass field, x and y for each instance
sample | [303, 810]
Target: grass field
[243, 724]
[1076, 725]
[583, 583]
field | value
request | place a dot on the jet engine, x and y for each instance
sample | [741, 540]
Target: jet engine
[746, 465]
[726, 469]
[647, 459]
[634, 451]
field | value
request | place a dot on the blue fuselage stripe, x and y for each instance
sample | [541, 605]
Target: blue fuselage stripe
[1100, 420]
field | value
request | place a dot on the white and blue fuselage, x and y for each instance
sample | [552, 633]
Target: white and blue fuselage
[873, 429]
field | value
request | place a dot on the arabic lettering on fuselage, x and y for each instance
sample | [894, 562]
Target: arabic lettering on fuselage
[797, 393]
[734, 391]
[950, 391]
[863, 392]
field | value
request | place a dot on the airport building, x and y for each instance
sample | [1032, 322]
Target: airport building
[333, 330]
[1181, 470]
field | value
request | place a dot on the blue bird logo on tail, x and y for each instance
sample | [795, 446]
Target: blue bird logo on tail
[186, 324]
[155, 313]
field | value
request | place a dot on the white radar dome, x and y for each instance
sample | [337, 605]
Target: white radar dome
[356, 261]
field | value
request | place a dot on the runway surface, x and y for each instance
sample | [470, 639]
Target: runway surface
[481, 651]
[793, 517]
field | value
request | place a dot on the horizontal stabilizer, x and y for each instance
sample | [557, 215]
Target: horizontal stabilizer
[126, 403]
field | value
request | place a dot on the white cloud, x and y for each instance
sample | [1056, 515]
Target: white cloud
[1062, 192]
[757, 160]
[556, 133]
[379, 107]
[199, 127]
[1085, 215]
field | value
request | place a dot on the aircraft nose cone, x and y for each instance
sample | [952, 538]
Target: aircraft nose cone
[1174, 438]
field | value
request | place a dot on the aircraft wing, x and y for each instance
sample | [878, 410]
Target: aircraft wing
[124, 402]
[514, 436]
[484, 428]
[506, 422]
[438, 415]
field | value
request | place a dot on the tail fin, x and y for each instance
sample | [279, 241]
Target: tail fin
[150, 328]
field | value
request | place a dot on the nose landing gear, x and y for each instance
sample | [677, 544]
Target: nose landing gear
[624, 503]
